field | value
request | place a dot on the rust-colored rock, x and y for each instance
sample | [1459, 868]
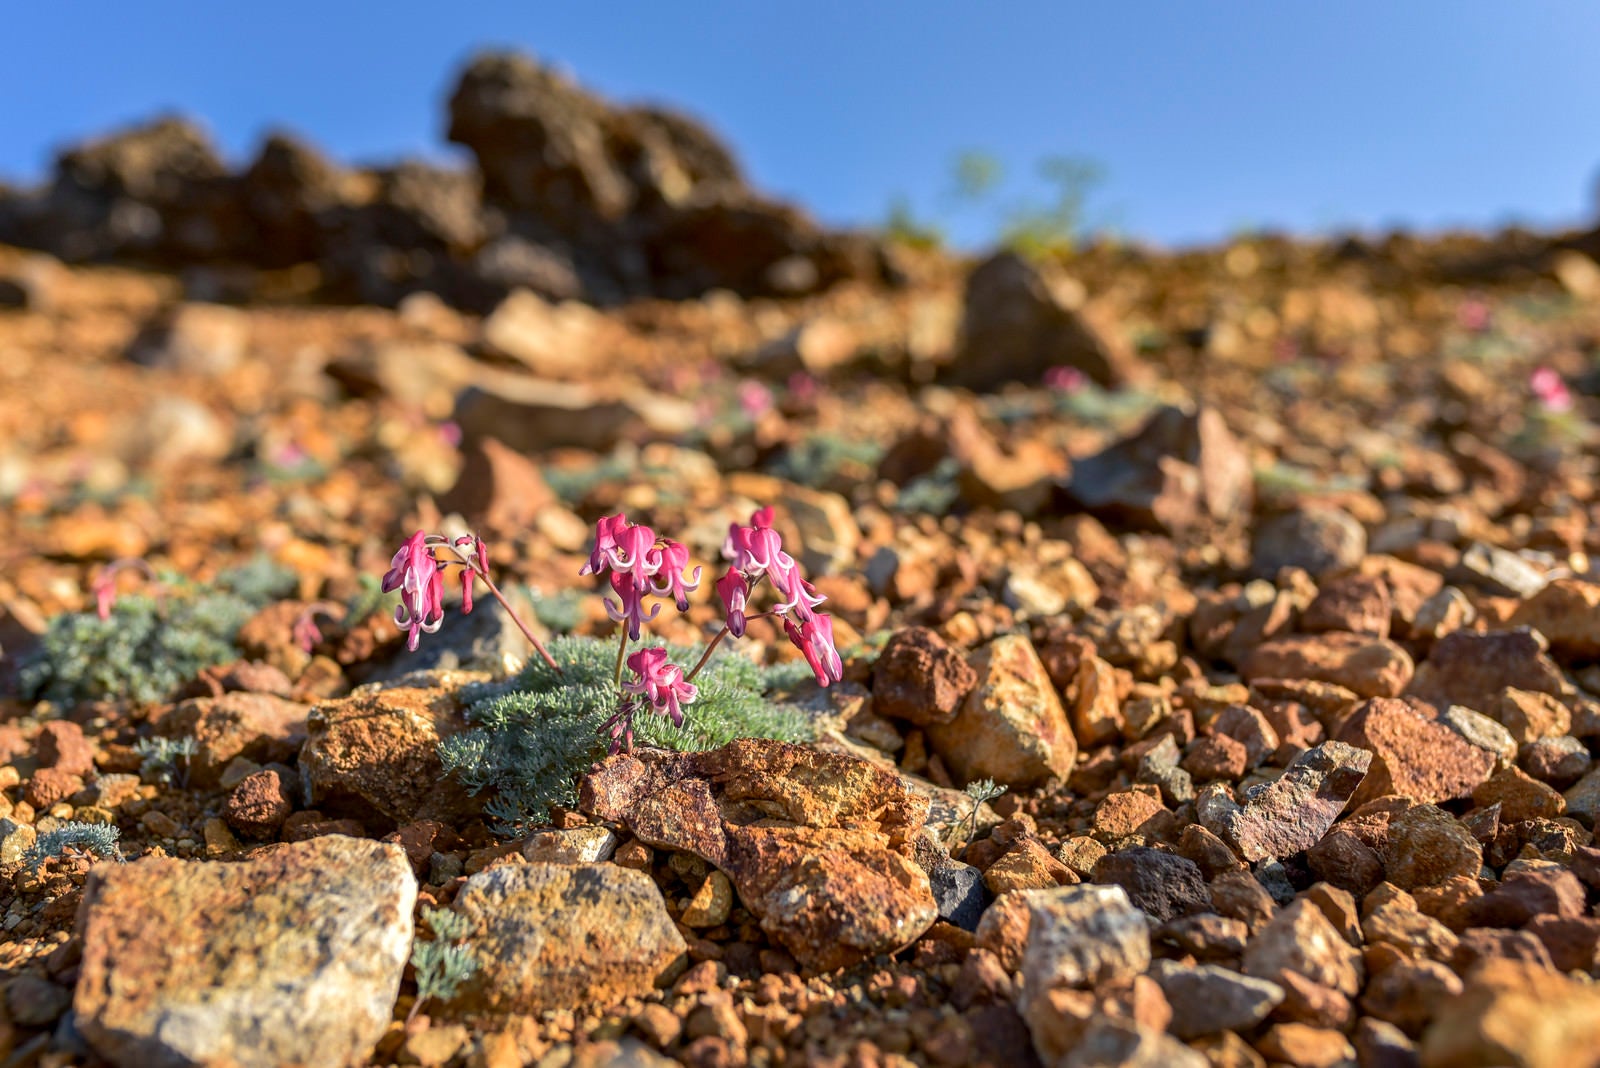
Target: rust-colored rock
[257, 726]
[1468, 668]
[1012, 727]
[920, 679]
[1412, 754]
[1567, 613]
[376, 752]
[818, 845]
[1368, 666]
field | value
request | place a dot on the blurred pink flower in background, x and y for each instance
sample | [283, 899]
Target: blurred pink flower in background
[1474, 314]
[1065, 379]
[1550, 389]
[804, 389]
[755, 399]
[450, 433]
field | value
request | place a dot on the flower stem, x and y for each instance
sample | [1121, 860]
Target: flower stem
[523, 627]
[622, 653]
[721, 634]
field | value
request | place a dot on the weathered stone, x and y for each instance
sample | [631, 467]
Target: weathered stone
[1026, 865]
[920, 679]
[1097, 713]
[1554, 892]
[1294, 811]
[61, 745]
[1175, 471]
[1023, 318]
[561, 936]
[1468, 668]
[1162, 884]
[1082, 936]
[818, 845]
[254, 725]
[204, 340]
[1368, 666]
[1012, 727]
[1315, 539]
[1528, 716]
[1498, 572]
[1482, 731]
[1360, 604]
[1520, 798]
[1427, 846]
[1305, 1046]
[260, 803]
[1512, 1013]
[298, 961]
[959, 892]
[376, 751]
[1567, 613]
[1206, 999]
[1300, 939]
[498, 489]
[1413, 756]
[574, 845]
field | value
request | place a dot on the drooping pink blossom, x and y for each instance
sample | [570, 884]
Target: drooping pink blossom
[419, 577]
[814, 639]
[471, 549]
[634, 554]
[605, 540]
[671, 563]
[1065, 379]
[660, 682]
[734, 591]
[755, 399]
[628, 608]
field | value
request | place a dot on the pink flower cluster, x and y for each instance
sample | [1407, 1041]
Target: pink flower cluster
[756, 552]
[419, 576]
[1550, 389]
[640, 567]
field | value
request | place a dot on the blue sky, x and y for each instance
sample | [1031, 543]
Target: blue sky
[1205, 117]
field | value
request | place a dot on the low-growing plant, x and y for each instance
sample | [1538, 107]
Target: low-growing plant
[529, 742]
[818, 459]
[445, 962]
[144, 646]
[73, 839]
[981, 791]
[166, 760]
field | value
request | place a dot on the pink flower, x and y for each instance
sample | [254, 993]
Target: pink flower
[1065, 379]
[1474, 314]
[450, 433]
[734, 590]
[629, 606]
[1551, 390]
[105, 593]
[672, 560]
[471, 548]
[661, 683]
[605, 540]
[418, 577]
[799, 596]
[814, 639]
[634, 554]
[755, 399]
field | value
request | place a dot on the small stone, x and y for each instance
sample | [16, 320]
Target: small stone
[1371, 667]
[61, 745]
[1300, 939]
[1413, 756]
[1216, 756]
[1081, 936]
[1315, 539]
[1097, 713]
[1472, 669]
[1520, 798]
[1206, 999]
[1559, 761]
[1567, 613]
[1293, 812]
[324, 926]
[1306, 1047]
[1382, 1045]
[1109, 1041]
[1481, 730]
[561, 936]
[258, 806]
[1583, 799]
[1513, 1013]
[959, 892]
[920, 679]
[258, 726]
[1573, 942]
[16, 838]
[1552, 891]
[1529, 716]
[205, 340]
[1126, 813]
[34, 1001]
[1413, 935]
[1162, 884]
[573, 845]
[50, 786]
[1026, 865]
[1497, 572]
[712, 903]
[1427, 847]
[1359, 604]
[1011, 728]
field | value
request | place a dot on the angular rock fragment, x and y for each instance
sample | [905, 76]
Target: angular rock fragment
[818, 845]
[1012, 727]
[561, 936]
[1206, 999]
[1300, 939]
[298, 960]
[1082, 936]
[1412, 754]
[920, 679]
[1294, 811]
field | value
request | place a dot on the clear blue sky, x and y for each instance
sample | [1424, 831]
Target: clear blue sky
[1206, 116]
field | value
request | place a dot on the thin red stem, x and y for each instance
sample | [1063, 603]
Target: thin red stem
[622, 653]
[523, 627]
[721, 634]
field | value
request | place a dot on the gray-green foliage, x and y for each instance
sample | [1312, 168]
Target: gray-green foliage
[444, 963]
[561, 611]
[530, 742]
[153, 641]
[818, 459]
[97, 838]
[165, 760]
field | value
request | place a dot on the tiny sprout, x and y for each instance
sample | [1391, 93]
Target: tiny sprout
[444, 963]
[981, 791]
[166, 760]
